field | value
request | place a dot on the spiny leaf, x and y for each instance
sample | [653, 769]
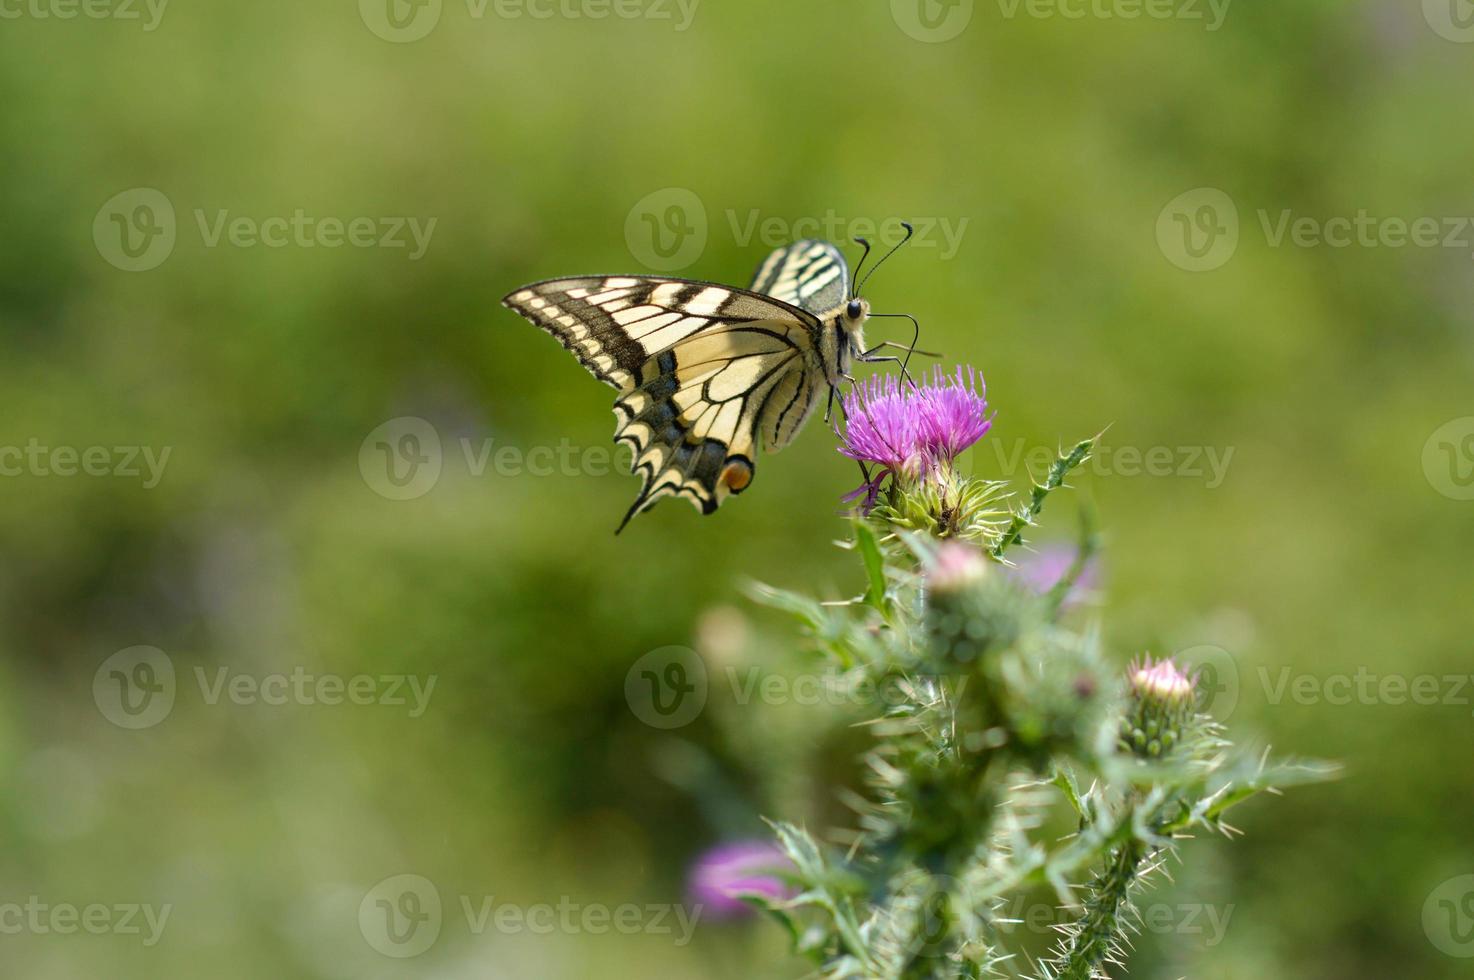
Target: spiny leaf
[1025, 516]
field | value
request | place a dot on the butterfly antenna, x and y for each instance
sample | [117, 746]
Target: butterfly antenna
[908, 348]
[909, 232]
[860, 264]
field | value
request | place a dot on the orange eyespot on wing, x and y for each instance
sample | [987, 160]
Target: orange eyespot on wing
[737, 475]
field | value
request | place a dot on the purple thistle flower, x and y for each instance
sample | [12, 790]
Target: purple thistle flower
[955, 413]
[910, 429]
[882, 425]
[726, 871]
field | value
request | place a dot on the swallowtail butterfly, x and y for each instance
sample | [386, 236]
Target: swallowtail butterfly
[707, 372]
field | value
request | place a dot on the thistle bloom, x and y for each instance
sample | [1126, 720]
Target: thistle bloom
[955, 413]
[882, 425]
[912, 430]
[726, 871]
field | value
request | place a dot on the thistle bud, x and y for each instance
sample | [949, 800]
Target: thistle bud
[955, 568]
[1162, 702]
[971, 610]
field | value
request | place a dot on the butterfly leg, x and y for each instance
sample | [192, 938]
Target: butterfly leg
[896, 360]
[829, 408]
[892, 343]
[909, 348]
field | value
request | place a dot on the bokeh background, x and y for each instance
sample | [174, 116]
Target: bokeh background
[1113, 187]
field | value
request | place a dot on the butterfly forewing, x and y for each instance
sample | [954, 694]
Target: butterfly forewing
[703, 371]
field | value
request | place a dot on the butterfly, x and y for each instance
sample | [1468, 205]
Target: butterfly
[705, 372]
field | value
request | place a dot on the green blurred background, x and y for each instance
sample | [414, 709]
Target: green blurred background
[1096, 276]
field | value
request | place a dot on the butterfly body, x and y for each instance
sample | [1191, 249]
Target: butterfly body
[706, 373]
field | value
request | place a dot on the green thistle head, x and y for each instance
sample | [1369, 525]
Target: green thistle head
[1163, 699]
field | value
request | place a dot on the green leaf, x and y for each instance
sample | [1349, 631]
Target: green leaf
[874, 566]
[801, 606]
[1065, 781]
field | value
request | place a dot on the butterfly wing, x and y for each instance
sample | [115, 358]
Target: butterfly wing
[809, 274]
[704, 372]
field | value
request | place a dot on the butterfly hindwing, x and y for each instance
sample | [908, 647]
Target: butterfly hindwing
[706, 373]
[694, 423]
[809, 274]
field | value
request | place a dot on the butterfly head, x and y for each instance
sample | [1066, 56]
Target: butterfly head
[852, 321]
